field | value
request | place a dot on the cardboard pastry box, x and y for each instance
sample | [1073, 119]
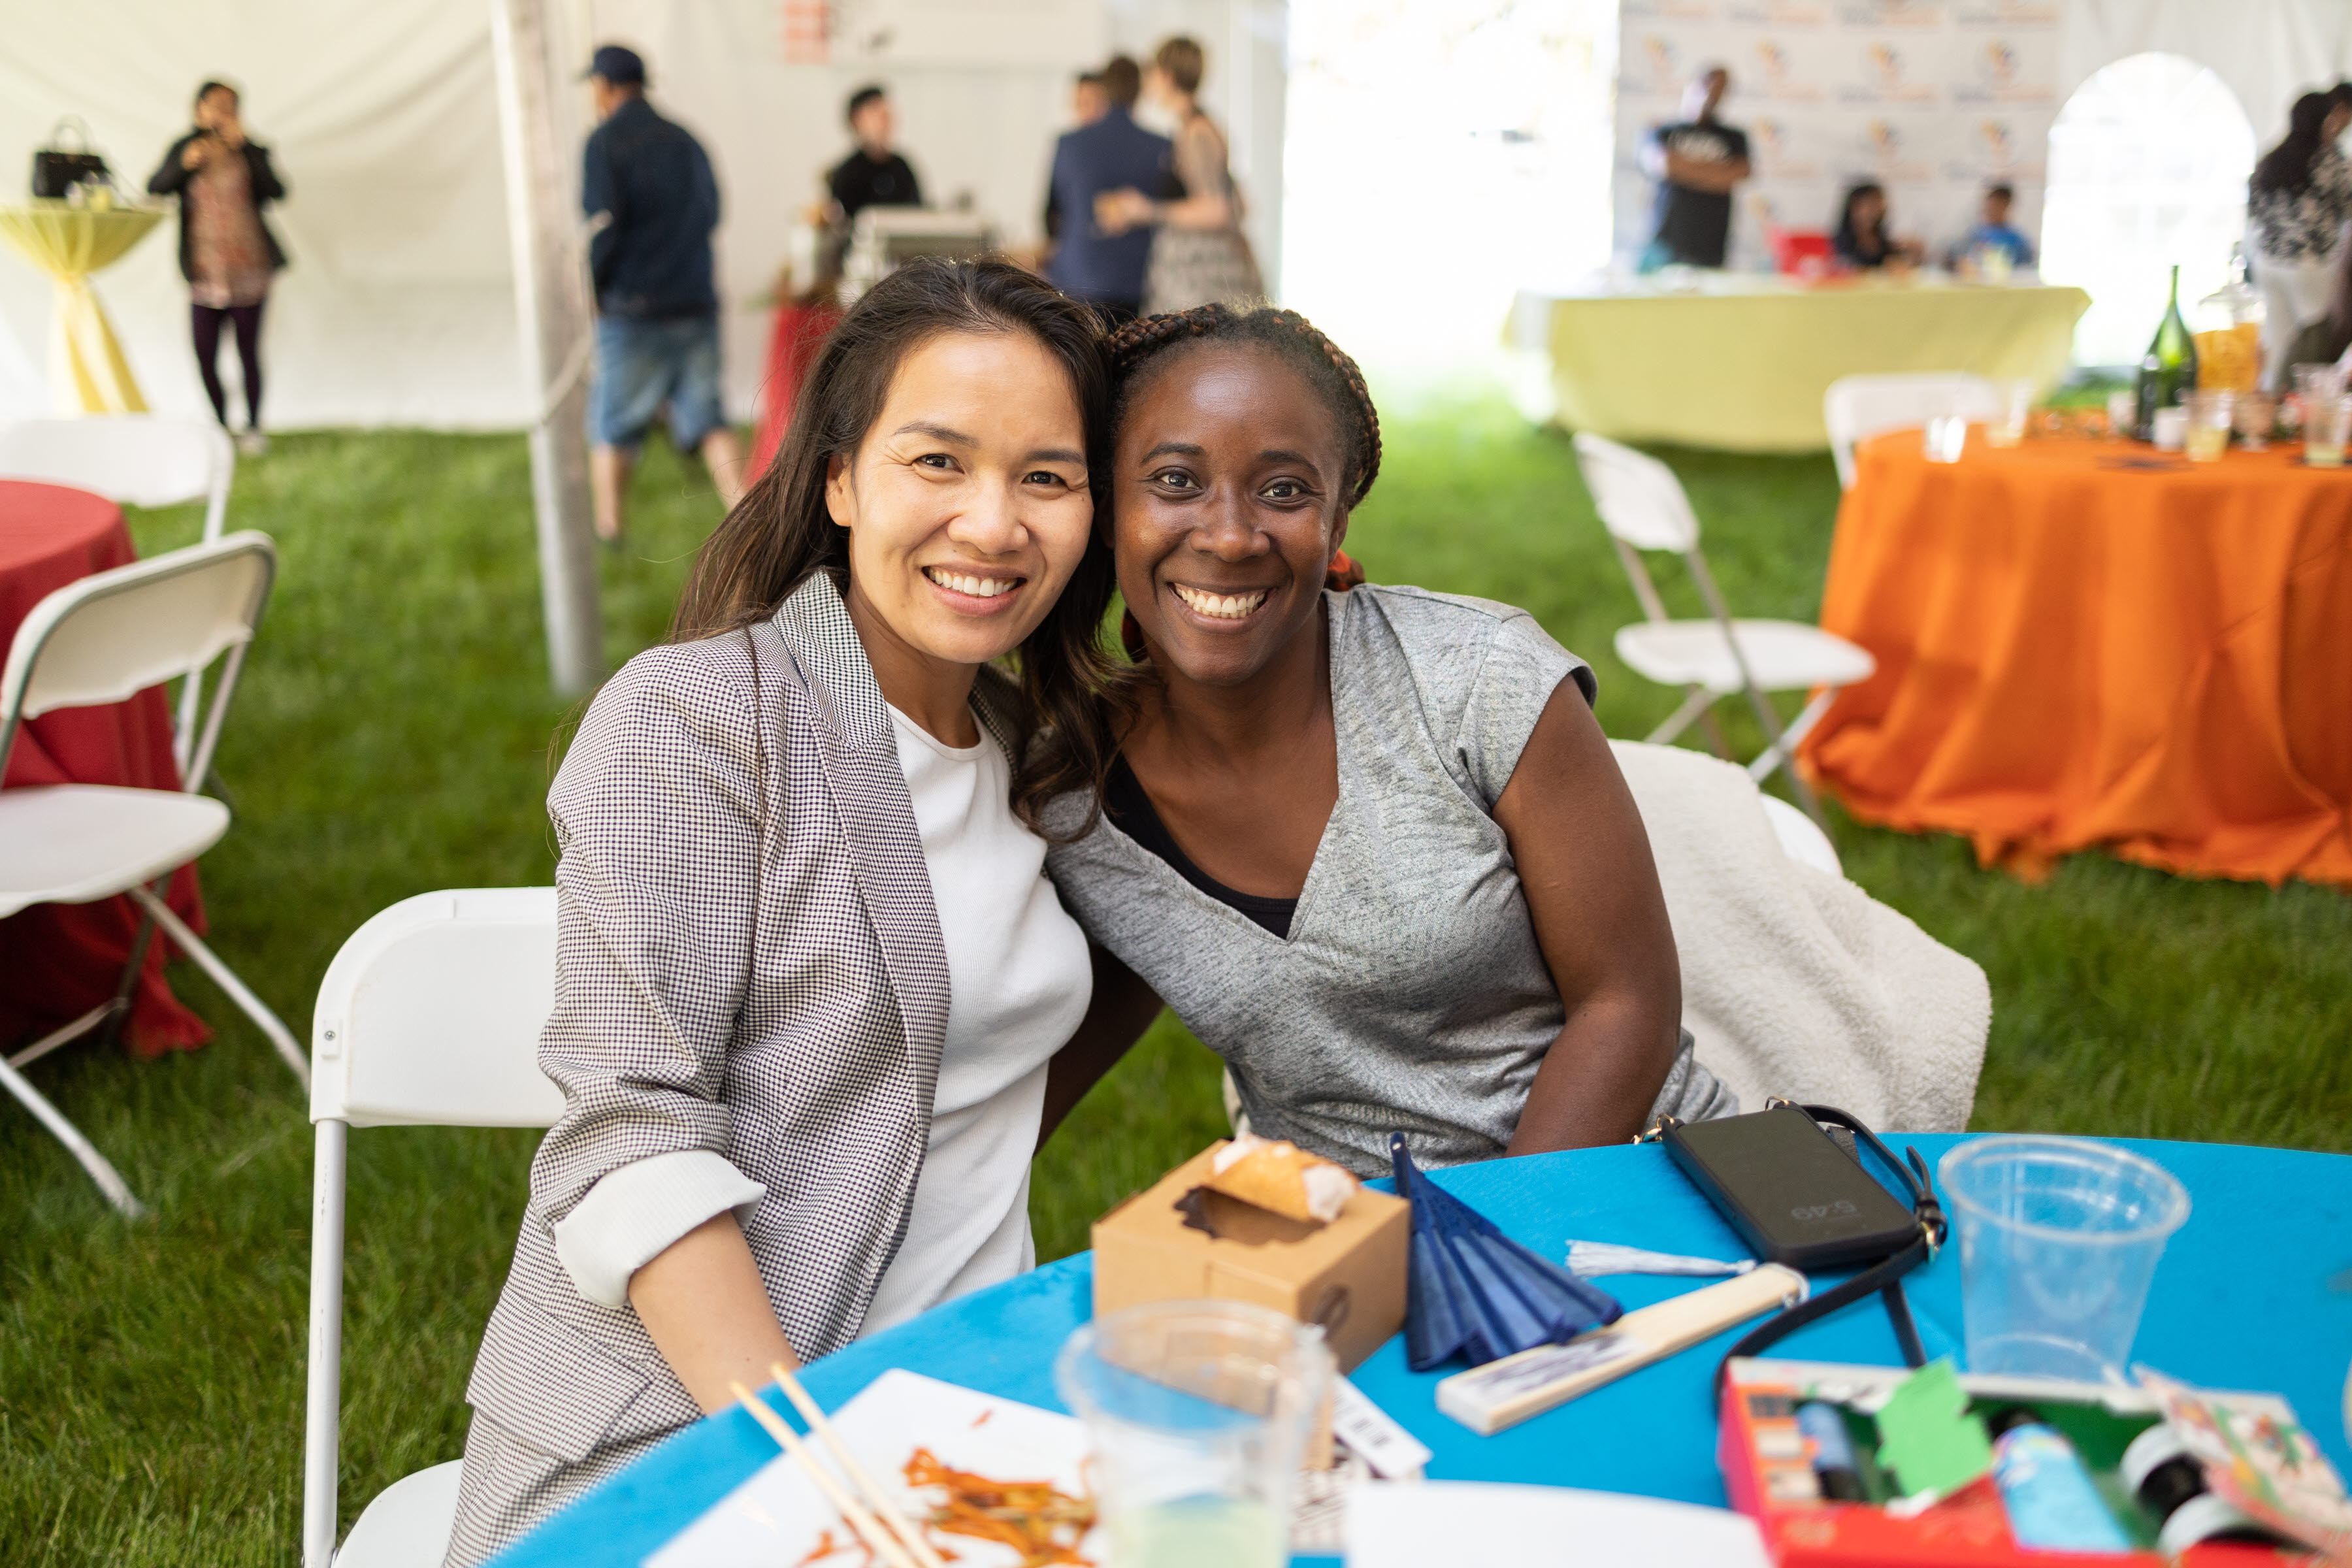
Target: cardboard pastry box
[1348, 1276]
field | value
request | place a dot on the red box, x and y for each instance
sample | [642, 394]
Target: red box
[1762, 1455]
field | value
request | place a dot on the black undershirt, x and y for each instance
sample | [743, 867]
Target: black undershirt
[1131, 809]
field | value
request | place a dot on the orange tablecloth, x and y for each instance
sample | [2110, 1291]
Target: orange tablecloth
[2081, 643]
[59, 961]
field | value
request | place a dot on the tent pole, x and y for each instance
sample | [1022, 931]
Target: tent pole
[551, 312]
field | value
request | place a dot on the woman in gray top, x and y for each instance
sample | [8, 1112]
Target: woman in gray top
[1370, 846]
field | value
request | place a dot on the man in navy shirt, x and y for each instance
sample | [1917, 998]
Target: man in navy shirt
[646, 186]
[1112, 153]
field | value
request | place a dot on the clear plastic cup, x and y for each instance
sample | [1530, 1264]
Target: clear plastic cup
[2059, 1238]
[2208, 435]
[1199, 1412]
[2326, 430]
[1945, 437]
[2016, 408]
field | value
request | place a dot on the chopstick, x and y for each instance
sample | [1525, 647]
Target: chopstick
[823, 1429]
[874, 1535]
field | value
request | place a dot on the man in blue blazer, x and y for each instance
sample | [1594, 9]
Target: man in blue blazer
[1112, 153]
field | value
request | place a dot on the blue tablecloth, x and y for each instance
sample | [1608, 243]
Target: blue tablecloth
[2255, 1292]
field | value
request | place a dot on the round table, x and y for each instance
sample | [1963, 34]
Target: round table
[2089, 643]
[60, 961]
[86, 370]
[2254, 1293]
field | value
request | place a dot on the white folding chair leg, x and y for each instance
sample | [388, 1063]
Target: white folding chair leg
[183, 733]
[226, 978]
[66, 1035]
[323, 1412]
[1700, 701]
[117, 1190]
[1773, 756]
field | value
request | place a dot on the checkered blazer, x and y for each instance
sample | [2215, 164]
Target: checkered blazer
[747, 962]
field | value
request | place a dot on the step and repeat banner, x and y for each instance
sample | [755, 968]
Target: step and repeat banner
[1932, 99]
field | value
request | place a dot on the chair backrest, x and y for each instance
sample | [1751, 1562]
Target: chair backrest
[144, 459]
[119, 632]
[1640, 501]
[430, 1014]
[1857, 407]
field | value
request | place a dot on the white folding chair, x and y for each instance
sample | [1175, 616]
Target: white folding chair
[100, 640]
[1857, 407]
[135, 459]
[429, 1016]
[1642, 506]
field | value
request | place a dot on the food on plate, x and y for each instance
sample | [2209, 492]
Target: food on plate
[1281, 1178]
[1036, 1519]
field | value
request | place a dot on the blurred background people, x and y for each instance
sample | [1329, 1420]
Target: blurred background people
[1697, 162]
[1992, 235]
[1199, 254]
[228, 254]
[2297, 203]
[875, 174]
[1861, 240]
[1089, 262]
[1088, 101]
[646, 186]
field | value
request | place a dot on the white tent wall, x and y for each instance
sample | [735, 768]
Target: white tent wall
[399, 308]
[2268, 51]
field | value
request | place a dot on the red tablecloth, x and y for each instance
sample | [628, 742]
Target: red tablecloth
[59, 961]
[799, 332]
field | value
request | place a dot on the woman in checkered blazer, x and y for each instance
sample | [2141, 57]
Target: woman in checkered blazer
[809, 971]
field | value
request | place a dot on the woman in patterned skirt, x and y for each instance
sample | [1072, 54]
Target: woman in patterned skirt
[1199, 254]
[228, 254]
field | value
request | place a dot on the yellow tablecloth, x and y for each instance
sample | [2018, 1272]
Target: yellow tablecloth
[88, 374]
[1740, 361]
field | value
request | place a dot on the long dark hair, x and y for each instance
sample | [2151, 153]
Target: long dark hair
[1077, 755]
[2288, 166]
[779, 534]
[1848, 238]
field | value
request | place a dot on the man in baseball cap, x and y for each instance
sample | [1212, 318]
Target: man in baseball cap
[657, 308]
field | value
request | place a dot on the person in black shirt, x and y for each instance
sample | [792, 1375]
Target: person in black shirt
[646, 184]
[1696, 162]
[1861, 241]
[874, 175]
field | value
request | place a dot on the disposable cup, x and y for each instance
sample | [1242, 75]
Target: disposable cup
[1199, 1412]
[2016, 408]
[1945, 437]
[2059, 1238]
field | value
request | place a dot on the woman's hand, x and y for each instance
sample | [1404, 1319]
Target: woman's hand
[702, 1300]
[1601, 919]
[1118, 211]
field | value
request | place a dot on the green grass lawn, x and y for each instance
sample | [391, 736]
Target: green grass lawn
[395, 735]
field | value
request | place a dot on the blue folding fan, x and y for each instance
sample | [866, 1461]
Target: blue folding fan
[1473, 1292]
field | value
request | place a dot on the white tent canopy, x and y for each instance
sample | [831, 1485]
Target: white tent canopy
[399, 308]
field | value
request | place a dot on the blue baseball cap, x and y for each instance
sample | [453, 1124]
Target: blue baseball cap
[618, 66]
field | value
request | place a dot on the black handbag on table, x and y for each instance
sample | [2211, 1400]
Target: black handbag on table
[57, 168]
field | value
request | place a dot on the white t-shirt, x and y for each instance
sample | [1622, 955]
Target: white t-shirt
[1018, 983]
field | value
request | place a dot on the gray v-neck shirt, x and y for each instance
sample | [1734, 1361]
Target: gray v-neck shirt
[1410, 995]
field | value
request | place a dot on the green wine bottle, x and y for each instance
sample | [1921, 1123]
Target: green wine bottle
[2168, 368]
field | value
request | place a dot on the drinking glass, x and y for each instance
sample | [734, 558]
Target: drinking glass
[2016, 407]
[2256, 415]
[2326, 429]
[2319, 381]
[1945, 438]
[2208, 435]
[1199, 1412]
[2059, 1239]
[2169, 428]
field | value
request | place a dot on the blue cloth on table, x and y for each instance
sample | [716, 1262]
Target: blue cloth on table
[2248, 1297]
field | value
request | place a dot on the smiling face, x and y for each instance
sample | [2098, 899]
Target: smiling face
[1229, 497]
[966, 503]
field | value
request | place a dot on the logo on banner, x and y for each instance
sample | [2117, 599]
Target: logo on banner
[2005, 14]
[1999, 76]
[1887, 159]
[1995, 153]
[1781, 85]
[1775, 159]
[1780, 13]
[1656, 66]
[1670, 10]
[1891, 13]
[1885, 79]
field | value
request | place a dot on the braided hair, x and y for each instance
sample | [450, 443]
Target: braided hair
[1324, 365]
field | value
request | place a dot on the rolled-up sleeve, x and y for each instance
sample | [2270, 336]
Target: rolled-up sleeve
[656, 812]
